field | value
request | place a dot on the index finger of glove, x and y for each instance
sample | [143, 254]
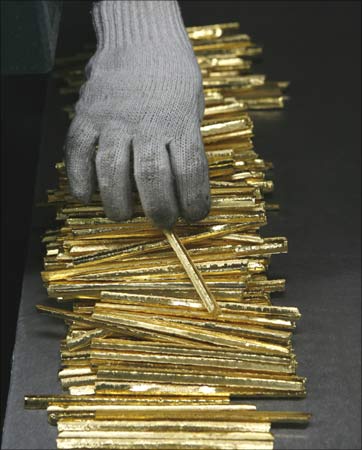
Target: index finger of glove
[80, 148]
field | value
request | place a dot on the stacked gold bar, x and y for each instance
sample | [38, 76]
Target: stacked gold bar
[149, 360]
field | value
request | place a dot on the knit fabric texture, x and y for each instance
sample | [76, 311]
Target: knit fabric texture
[142, 103]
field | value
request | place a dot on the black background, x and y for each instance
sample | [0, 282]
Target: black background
[314, 143]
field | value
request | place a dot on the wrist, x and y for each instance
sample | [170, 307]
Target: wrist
[138, 22]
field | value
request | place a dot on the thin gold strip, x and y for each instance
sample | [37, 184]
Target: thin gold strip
[161, 444]
[163, 425]
[204, 292]
[164, 435]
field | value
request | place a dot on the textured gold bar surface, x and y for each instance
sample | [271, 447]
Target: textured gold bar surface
[225, 414]
[161, 444]
[204, 292]
[162, 425]
[164, 435]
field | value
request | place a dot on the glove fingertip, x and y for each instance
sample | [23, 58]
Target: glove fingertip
[80, 192]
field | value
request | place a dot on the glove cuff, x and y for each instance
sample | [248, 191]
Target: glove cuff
[122, 23]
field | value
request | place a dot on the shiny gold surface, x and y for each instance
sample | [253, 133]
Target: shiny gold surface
[204, 292]
[217, 412]
[162, 444]
[162, 425]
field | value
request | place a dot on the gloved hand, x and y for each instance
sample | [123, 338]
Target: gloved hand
[143, 103]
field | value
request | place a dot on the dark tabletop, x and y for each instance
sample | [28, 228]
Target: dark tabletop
[315, 146]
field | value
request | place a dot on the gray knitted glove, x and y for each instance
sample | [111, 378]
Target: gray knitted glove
[143, 103]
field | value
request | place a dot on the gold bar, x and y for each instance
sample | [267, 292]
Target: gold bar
[135, 402]
[82, 390]
[230, 136]
[156, 389]
[164, 435]
[213, 31]
[156, 368]
[80, 380]
[53, 418]
[148, 388]
[70, 372]
[216, 412]
[222, 110]
[43, 401]
[161, 444]
[197, 365]
[162, 425]
[248, 381]
[227, 127]
[109, 296]
[234, 81]
[204, 292]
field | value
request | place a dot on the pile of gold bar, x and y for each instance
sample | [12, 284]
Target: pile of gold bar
[166, 328]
